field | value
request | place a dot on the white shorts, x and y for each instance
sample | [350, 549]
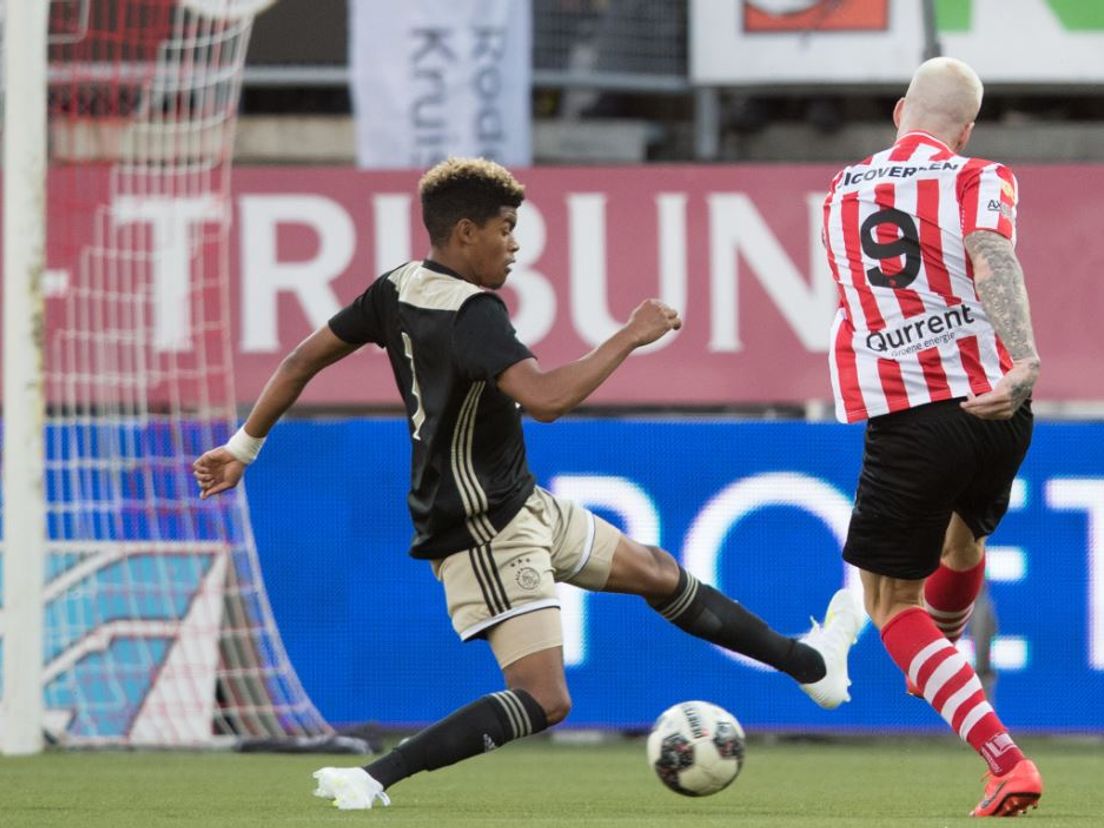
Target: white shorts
[549, 540]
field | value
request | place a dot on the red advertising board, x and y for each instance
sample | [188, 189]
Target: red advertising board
[735, 248]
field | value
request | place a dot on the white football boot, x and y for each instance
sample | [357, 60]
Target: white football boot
[351, 789]
[842, 621]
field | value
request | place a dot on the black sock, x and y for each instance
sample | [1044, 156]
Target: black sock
[702, 611]
[483, 725]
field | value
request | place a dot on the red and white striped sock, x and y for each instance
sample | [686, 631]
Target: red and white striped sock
[949, 597]
[950, 685]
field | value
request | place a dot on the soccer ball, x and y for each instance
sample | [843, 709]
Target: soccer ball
[696, 748]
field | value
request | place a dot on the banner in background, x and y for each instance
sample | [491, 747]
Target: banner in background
[804, 41]
[882, 41]
[735, 248]
[759, 509]
[1026, 41]
[440, 77]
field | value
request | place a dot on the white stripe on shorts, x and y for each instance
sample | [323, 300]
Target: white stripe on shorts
[486, 623]
[588, 547]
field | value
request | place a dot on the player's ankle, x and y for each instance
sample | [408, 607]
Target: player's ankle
[805, 664]
[388, 769]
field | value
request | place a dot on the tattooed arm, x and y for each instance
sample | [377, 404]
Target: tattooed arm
[998, 278]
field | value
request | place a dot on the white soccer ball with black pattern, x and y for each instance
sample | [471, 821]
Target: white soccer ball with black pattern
[696, 748]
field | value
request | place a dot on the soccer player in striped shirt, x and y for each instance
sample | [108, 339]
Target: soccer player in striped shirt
[933, 347]
[498, 542]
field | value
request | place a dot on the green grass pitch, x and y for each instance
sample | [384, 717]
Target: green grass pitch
[888, 783]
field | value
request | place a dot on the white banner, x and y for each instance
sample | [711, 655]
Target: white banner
[1028, 41]
[433, 78]
[767, 42]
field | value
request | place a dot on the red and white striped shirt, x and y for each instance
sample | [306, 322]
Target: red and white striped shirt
[910, 329]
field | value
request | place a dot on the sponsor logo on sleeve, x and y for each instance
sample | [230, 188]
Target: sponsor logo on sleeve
[1001, 207]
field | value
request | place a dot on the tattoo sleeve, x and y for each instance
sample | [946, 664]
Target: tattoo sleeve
[998, 278]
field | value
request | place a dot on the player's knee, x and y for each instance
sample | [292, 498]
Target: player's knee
[662, 571]
[877, 610]
[885, 597]
[643, 570]
[961, 550]
[963, 553]
[558, 711]
[556, 705]
[549, 693]
[885, 609]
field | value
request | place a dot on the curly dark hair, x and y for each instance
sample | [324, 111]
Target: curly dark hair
[471, 188]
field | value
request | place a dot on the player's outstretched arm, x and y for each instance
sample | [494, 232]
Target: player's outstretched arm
[221, 468]
[999, 280]
[547, 395]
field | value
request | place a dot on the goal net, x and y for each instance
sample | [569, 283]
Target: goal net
[158, 629]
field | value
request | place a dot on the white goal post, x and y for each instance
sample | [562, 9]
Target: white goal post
[133, 613]
[24, 230]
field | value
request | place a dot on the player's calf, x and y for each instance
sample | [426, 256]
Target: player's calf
[949, 596]
[485, 724]
[951, 686]
[702, 611]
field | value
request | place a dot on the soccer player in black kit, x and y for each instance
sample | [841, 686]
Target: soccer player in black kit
[496, 541]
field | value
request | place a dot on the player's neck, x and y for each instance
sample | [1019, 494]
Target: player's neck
[939, 135]
[452, 261]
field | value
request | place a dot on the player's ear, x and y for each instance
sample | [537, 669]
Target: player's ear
[964, 138]
[898, 109]
[464, 230]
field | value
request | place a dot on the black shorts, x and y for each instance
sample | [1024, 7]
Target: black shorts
[919, 467]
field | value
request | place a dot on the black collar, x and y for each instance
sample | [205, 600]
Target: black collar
[437, 267]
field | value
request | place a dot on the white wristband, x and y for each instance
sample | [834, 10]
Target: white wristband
[244, 447]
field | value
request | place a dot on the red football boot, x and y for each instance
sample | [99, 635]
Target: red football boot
[1011, 794]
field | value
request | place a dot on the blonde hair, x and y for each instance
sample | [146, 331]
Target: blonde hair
[945, 93]
[459, 188]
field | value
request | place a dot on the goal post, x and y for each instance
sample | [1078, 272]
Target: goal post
[21, 620]
[146, 610]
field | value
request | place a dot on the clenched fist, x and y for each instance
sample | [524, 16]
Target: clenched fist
[651, 320]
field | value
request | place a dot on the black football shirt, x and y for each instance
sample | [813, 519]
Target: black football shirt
[448, 340]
